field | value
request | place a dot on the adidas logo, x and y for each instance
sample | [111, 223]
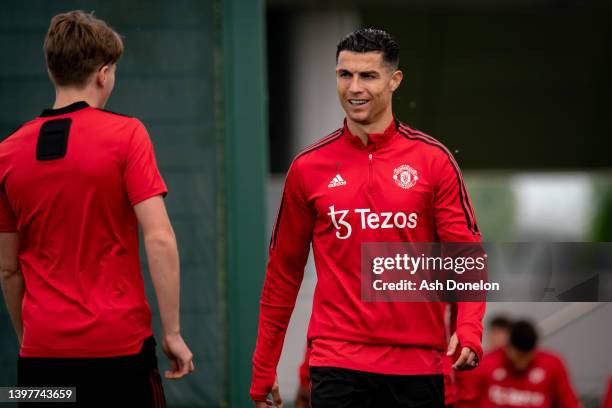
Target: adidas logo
[336, 181]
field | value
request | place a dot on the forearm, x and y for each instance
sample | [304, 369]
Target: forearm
[279, 294]
[288, 253]
[13, 289]
[163, 259]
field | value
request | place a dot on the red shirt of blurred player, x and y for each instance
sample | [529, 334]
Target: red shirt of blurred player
[520, 375]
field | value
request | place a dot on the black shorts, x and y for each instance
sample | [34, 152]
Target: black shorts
[338, 387]
[132, 380]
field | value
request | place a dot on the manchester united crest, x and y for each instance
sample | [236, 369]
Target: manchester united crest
[499, 374]
[536, 375]
[405, 176]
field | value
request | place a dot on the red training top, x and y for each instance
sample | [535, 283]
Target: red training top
[68, 182]
[338, 194]
[607, 402]
[544, 384]
[304, 370]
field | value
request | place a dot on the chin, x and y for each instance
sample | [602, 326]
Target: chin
[359, 117]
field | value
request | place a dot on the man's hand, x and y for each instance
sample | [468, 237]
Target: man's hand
[275, 402]
[302, 399]
[181, 358]
[11, 280]
[467, 359]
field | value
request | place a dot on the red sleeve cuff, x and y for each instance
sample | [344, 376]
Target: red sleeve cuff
[162, 191]
[258, 397]
[261, 389]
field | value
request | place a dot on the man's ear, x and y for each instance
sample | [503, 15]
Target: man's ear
[102, 75]
[50, 76]
[396, 80]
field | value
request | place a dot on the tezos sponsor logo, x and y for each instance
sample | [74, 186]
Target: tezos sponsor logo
[405, 176]
[511, 397]
[370, 220]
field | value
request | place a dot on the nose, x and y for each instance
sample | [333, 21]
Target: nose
[355, 86]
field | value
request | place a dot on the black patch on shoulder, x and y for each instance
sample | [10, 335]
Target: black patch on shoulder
[53, 139]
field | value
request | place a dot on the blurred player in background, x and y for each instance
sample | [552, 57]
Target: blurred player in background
[497, 334]
[522, 375]
[366, 354]
[75, 183]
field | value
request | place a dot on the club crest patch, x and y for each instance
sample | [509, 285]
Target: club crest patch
[537, 375]
[405, 176]
[499, 374]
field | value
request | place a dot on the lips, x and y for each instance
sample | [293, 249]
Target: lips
[358, 102]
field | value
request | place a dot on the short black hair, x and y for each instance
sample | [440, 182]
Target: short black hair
[523, 336]
[371, 40]
[500, 322]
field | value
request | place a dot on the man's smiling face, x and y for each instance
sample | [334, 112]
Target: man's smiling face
[365, 85]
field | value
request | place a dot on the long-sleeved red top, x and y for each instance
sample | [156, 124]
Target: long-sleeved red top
[403, 186]
[544, 384]
[304, 370]
[607, 402]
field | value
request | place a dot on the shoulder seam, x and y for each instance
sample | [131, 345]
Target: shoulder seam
[415, 132]
[412, 134]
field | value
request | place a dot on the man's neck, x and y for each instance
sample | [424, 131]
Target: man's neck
[66, 96]
[361, 130]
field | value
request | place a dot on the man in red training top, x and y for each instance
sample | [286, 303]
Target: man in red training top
[339, 193]
[75, 183]
[521, 375]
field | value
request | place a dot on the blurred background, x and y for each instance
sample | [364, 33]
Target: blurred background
[231, 90]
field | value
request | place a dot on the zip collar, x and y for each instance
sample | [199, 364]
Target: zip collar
[375, 140]
[73, 107]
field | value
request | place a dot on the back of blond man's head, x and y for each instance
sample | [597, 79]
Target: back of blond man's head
[77, 45]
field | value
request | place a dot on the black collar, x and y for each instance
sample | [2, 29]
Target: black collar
[66, 109]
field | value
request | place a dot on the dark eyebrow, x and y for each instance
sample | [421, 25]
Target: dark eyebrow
[370, 73]
[344, 71]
